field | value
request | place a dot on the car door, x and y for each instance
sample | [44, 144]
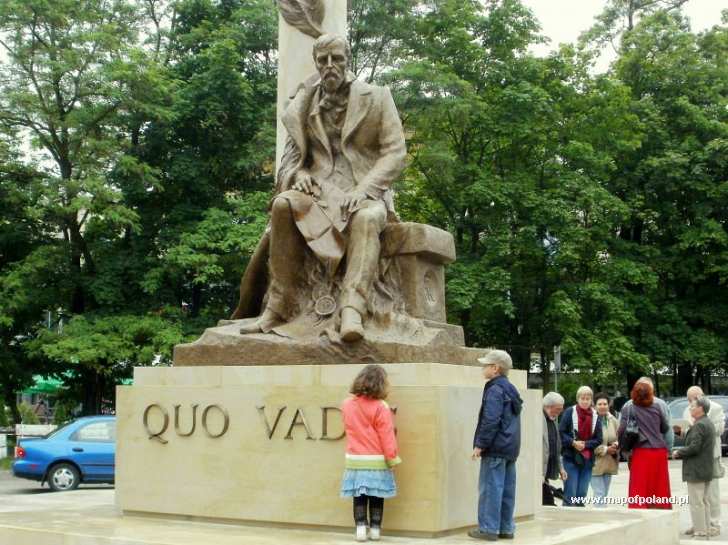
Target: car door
[92, 447]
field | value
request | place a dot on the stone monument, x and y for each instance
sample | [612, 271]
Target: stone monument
[337, 277]
[245, 427]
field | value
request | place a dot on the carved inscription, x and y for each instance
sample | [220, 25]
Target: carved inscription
[156, 435]
[155, 430]
[298, 420]
[156, 420]
[325, 424]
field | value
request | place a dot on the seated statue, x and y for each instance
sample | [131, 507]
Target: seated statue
[320, 255]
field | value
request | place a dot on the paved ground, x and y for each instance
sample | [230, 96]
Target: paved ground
[620, 485]
[24, 495]
[18, 495]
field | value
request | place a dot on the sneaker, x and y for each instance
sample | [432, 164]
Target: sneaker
[477, 534]
[700, 535]
[690, 532]
[503, 535]
[374, 533]
[361, 532]
[714, 531]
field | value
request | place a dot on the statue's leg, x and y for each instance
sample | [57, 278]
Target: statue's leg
[285, 262]
[362, 259]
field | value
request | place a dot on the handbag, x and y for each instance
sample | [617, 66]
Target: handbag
[631, 436]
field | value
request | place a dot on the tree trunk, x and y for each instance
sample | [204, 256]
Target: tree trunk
[196, 300]
[465, 322]
[521, 356]
[93, 392]
[9, 393]
[685, 378]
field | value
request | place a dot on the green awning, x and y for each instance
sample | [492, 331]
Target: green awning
[44, 385]
[47, 385]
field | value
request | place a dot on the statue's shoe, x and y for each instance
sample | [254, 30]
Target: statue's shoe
[352, 329]
[267, 321]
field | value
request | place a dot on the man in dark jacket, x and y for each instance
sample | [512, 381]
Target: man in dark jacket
[697, 456]
[497, 443]
[553, 405]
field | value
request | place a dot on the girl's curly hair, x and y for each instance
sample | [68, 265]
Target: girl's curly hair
[371, 382]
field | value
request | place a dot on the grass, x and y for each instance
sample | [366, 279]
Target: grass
[5, 464]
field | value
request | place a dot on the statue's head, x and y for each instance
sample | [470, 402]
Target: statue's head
[331, 53]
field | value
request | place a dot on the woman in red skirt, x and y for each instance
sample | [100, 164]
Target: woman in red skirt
[649, 481]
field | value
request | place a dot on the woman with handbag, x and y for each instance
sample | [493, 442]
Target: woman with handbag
[641, 431]
[607, 462]
[371, 450]
[581, 433]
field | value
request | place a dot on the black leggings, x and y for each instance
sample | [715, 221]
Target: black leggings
[376, 510]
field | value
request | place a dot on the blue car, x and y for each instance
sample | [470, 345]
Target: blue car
[81, 451]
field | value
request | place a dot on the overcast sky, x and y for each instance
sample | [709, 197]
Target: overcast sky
[563, 20]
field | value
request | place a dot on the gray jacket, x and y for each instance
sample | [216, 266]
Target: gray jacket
[545, 449]
[717, 417]
[669, 435]
[697, 454]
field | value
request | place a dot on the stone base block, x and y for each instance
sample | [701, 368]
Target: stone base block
[224, 345]
[264, 444]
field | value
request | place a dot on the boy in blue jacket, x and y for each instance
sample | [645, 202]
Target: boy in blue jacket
[497, 443]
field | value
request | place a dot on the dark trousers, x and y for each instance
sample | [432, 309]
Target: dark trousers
[547, 494]
[376, 510]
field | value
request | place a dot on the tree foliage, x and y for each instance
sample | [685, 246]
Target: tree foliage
[136, 162]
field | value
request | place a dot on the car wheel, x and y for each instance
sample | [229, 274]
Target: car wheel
[63, 477]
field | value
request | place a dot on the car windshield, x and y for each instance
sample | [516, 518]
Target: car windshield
[677, 408]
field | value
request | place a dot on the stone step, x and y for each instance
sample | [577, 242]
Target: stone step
[102, 526]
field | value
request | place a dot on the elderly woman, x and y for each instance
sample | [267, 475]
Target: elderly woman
[553, 405]
[581, 433]
[642, 430]
[697, 471]
[606, 462]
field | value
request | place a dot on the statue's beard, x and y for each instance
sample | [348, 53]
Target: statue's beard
[331, 82]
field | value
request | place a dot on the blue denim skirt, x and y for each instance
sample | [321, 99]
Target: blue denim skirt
[370, 482]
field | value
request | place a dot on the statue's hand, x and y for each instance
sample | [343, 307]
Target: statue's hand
[305, 183]
[352, 201]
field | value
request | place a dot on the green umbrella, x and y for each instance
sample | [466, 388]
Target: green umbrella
[44, 385]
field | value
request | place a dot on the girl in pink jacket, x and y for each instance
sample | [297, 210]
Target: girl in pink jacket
[371, 450]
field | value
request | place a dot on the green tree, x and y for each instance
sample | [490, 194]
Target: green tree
[29, 272]
[153, 129]
[675, 187]
[511, 153]
[619, 16]
[214, 155]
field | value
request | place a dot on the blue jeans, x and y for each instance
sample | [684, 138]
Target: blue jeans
[577, 483]
[497, 495]
[600, 487]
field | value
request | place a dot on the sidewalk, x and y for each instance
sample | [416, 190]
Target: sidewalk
[29, 514]
[620, 485]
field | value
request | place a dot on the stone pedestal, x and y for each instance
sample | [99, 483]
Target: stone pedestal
[421, 252]
[266, 445]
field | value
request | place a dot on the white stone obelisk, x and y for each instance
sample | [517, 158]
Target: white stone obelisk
[295, 61]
